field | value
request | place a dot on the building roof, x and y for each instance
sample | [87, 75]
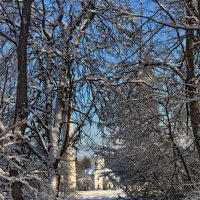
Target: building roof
[91, 171]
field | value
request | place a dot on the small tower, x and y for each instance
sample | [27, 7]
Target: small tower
[98, 162]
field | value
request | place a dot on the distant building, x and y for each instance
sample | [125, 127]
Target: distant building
[96, 177]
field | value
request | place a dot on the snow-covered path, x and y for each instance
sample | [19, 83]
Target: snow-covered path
[98, 198]
[100, 195]
[104, 195]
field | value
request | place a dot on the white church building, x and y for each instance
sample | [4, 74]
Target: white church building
[96, 177]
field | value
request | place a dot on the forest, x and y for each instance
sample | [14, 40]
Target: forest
[127, 69]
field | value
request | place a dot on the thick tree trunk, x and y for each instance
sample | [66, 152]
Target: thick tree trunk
[21, 99]
[71, 168]
[54, 184]
[16, 187]
[191, 87]
[21, 113]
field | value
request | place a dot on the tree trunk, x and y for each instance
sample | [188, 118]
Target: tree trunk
[71, 168]
[54, 184]
[21, 99]
[21, 112]
[191, 87]
[16, 187]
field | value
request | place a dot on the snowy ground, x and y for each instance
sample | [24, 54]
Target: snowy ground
[98, 198]
[104, 195]
[100, 195]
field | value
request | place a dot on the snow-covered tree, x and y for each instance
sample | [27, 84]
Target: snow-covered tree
[157, 124]
[55, 57]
